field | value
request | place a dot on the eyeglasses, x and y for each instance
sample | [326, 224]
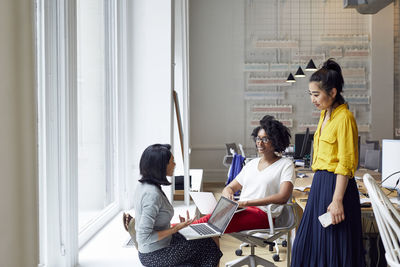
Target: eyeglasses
[263, 139]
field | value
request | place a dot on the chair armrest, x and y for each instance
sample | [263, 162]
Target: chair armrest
[272, 228]
[270, 219]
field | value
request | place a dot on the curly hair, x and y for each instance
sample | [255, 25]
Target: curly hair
[278, 134]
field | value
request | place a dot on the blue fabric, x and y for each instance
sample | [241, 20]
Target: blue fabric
[236, 167]
[337, 245]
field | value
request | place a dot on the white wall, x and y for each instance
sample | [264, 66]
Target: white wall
[217, 110]
[18, 198]
[382, 74]
[149, 82]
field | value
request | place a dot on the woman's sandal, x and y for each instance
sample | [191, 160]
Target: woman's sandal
[126, 218]
[129, 225]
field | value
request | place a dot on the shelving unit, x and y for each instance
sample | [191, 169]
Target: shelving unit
[280, 36]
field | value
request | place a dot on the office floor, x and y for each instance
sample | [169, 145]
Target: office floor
[106, 248]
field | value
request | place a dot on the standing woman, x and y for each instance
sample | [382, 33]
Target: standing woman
[158, 243]
[333, 188]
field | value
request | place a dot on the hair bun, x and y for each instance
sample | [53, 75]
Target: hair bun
[330, 64]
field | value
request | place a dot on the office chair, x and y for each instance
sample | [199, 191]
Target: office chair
[387, 219]
[232, 149]
[283, 225]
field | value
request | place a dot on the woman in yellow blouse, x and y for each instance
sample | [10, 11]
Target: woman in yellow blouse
[334, 189]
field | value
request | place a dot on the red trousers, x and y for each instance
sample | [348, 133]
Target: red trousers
[250, 218]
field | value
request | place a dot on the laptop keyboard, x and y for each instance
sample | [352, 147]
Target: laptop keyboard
[202, 229]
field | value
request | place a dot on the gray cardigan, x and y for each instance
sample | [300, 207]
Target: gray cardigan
[153, 213]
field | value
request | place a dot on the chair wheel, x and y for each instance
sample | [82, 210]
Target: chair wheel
[275, 257]
[271, 248]
[238, 252]
[284, 243]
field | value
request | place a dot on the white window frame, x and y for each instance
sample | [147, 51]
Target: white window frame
[111, 85]
[56, 55]
[56, 83]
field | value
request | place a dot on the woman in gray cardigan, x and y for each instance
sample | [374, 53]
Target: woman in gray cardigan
[158, 243]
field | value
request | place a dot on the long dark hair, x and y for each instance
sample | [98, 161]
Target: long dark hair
[330, 76]
[278, 134]
[153, 164]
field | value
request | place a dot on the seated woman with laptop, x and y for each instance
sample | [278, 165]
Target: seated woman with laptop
[265, 180]
[158, 242]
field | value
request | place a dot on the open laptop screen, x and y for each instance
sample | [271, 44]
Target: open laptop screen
[222, 214]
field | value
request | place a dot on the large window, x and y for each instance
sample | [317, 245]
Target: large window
[92, 129]
[96, 111]
[78, 124]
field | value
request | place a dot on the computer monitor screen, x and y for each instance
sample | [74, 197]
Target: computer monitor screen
[305, 141]
[390, 163]
[299, 140]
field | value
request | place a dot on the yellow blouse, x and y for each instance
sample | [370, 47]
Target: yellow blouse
[336, 148]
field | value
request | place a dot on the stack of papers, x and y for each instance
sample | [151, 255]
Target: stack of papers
[365, 200]
[394, 200]
[302, 188]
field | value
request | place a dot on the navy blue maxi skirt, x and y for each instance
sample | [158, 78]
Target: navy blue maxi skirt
[337, 245]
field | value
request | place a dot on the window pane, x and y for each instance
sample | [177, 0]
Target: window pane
[93, 138]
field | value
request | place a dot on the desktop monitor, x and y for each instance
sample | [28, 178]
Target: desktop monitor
[302, 144]
[391, 164]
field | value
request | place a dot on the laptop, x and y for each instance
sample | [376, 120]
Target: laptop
[206, 202]
[216, 225]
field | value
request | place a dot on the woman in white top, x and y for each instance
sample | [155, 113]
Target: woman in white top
[265, 180]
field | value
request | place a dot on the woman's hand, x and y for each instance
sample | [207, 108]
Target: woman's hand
[175, 227]
[181, 225]
[337, 211]
[181, 219]
[183, 222]
[228, 193]
[243, 204]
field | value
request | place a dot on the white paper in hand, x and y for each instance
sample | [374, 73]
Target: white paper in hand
[325, 219]
[204, 201]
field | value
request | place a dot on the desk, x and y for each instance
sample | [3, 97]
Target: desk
[301, 197]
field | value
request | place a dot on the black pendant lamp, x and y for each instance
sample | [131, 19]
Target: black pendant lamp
[299, 73]
[311, 66]
[290, 79]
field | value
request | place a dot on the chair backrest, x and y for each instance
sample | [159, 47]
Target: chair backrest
[287, 219]
[387, 219]
[373, 159]
[230, 146]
